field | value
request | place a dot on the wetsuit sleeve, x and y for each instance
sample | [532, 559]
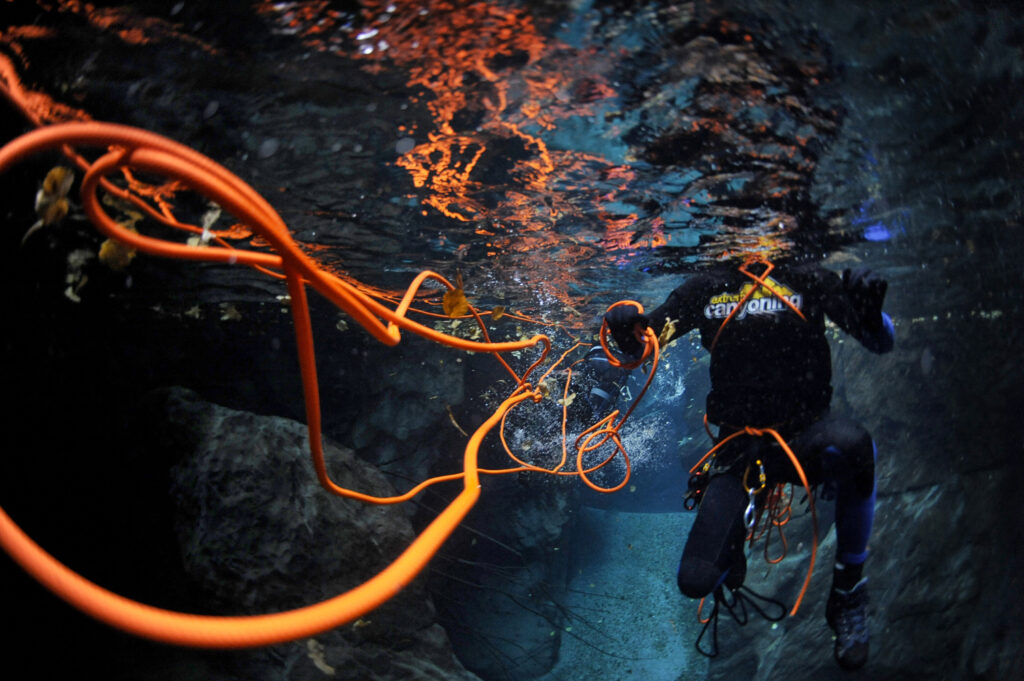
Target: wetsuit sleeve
[681, 309]
[854, 302]
[678, 308]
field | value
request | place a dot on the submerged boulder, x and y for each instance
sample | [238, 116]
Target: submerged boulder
[259, 534]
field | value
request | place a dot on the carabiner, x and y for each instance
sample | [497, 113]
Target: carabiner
[750, 514]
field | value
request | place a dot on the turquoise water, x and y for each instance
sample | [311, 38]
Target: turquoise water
[560, 156]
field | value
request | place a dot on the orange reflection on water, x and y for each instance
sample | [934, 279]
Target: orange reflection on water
[445, 162]
[126, 23]
[495, 88]
[453, 53]
[39, 107]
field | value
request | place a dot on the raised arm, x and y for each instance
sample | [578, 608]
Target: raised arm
[854, 302]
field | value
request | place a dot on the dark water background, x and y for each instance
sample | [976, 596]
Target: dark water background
[556, 154]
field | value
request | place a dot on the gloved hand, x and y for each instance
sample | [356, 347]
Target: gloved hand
[867, 293]
[623, 321]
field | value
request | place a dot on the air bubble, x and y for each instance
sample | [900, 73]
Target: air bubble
[405, 145]
[269, 147]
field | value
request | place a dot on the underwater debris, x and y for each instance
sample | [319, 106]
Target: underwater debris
[76, 277]
[51, 200]
[455, 303]
[315, 651]
[115, 254]
[229, 313]
[455, 423]
[667, 332]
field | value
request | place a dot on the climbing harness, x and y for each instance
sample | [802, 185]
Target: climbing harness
[774, 505]
[129, 150]
[760, 281]
[777, 501]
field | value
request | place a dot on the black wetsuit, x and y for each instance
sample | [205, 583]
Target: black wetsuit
[768, 365]
[771, 367]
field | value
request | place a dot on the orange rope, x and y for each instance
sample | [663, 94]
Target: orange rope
[761, 432]
[131, 148]
[759, 281]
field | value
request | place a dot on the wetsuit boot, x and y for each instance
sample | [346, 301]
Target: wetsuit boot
[846, 613]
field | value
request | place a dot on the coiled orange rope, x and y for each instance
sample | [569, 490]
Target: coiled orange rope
[778, 522]
[139, 150]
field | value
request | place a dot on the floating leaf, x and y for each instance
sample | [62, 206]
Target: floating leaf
[115, 254]
[51, 204]
[667, 332]
[455, 303]
[58, 182]
[53, 211]
[545, 388]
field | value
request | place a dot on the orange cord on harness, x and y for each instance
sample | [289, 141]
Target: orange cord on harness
[760, 280]
[131, 149]
[761, 432]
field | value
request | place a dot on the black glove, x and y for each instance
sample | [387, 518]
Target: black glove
[866, 291]
[622, 321]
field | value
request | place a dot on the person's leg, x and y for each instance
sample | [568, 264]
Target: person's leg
[840, 453]
[713, 554]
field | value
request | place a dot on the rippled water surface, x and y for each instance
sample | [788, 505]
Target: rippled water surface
[555, 153]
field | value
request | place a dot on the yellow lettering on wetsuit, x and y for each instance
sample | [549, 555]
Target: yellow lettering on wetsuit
[763, 301]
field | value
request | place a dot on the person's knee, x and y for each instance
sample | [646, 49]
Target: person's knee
[850, 461]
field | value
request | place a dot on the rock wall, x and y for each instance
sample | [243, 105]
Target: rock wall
[258, 534]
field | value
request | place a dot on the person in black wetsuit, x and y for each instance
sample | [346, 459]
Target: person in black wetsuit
[771, 367]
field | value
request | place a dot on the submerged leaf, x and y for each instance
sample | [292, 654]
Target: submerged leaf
[54, 211]
[115, 254]
[667, 332]
[51, 204]
[455, 303]
[58, 182]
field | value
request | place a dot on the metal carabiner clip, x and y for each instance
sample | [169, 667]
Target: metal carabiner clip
[750, 514]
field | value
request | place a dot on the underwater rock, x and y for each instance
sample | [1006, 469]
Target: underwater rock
[500, 590]
[258, 534]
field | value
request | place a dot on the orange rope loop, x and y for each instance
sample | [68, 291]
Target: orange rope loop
[130, 149]
[778, 514]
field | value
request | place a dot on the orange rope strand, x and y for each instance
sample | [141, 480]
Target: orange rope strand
[133, 149]
[777, 518]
